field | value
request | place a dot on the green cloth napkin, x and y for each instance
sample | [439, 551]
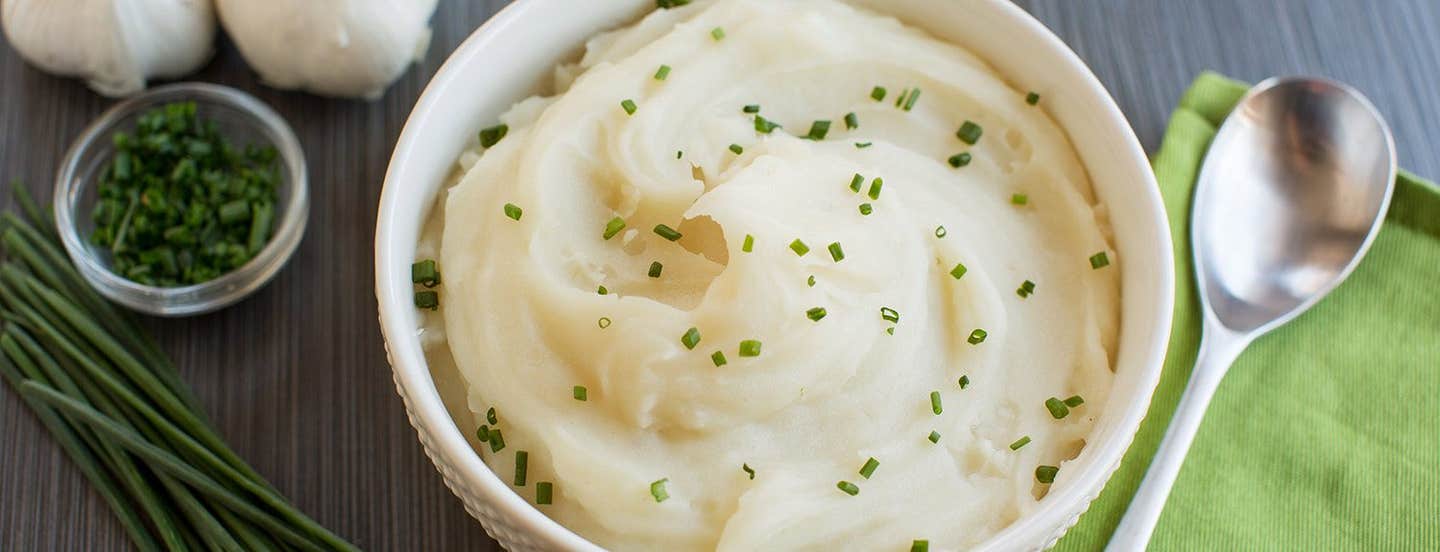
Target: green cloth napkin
[1325, 435]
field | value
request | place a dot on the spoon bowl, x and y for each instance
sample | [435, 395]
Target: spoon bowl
[1292, 193]
[1294, 186]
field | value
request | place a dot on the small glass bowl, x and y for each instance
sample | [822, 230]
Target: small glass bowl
[243, 120]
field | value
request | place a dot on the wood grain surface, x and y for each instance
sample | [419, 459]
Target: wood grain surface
[296, 376]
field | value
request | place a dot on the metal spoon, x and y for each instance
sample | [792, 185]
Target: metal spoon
[1291, 194]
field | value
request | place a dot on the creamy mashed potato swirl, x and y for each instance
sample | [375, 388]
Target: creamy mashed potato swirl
[522, 313]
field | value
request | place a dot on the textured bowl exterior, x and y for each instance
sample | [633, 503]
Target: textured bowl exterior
[503, 60]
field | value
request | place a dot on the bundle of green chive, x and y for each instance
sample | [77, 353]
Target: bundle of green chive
[117, 407]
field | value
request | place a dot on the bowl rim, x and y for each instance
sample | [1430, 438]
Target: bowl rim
[227, 288]
[453, 455]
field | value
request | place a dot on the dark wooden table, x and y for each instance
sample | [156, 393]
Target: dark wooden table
[296, 375]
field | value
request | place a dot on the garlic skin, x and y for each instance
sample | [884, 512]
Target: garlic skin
[346, 48]
[115, 45]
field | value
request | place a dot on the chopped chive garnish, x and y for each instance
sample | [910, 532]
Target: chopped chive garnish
[960, 159]
[869, 468]
[601, 290]
[679, 153]
[875, 186]
[935, 403]
[890, 330]
[614, 227]
[877, 93]
[765, 126]
[910, 101]
[934, 437]
[522, 465]
[818, 130]
[889, 315]
[964, 381]
[810, 281]
[718, 33]
[920, 545]
[580, 393]
[836, 252]
[1057, 408]
[425, 273]
[977, 336]
[815, 314]
[736, 149]
[482, 433]
[493, 135]
[513, 211]
[862, 145]
[901, 100]
[857, 182]
[748, 470]
[852, 121]
[1026, 289]
[662, 72]
[848, 488]
[497, 441]
[958, 271]
[490, 416]
[544, 492]
[1020, 443]
[691, 338]
[1099, 260]
[750, 348]
[1032, 98]
[667, 232]
[629, 106]
[1074, 401]
[667, 4]
[969, 132]
[1019, 199]
[604, 322]
[799, 247]
[749, 244]
[427, 300]
[941, 232]
[752, 108]
[718, 358]
[1046, 474]
[655, 268]
[657, 490]
[866, 208]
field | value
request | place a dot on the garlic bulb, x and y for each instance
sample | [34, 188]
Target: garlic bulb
[332, 47]
[114, 44]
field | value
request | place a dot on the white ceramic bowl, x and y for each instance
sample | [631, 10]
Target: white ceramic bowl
[505, 60]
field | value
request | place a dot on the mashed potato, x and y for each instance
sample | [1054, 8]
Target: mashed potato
[788, 304]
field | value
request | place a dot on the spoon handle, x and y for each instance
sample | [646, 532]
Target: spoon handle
[1218, 349]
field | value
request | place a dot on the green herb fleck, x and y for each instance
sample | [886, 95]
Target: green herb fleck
[1020, 443]
[718, 358]
[657, 490]
[1032, 98]
[910, 101]
[736, 149]
[750, 348]
[875, 186]
[427, 300]
[960, 159]
[1046, 474]
[857, 182]
[869, 468]
[935, 403]
[848, 488]
[815, 314]
[691, 338]
[1074, 401]
[655, 268]
[1057, 408]
[836, 253]
[604, 322]
[852, 121]
[818, 130]
[958, 271]
[497, 441]
[866, 208]
[1099, 260]
[889, 315]
[522, 464]
[920, 545]
[614, 227]
[799, 247]
[749, 244]
[969, 132]
[425, 273]
[862, 145]
[977, 336]
[667, 232]
[964, 381]
[752, 108]
[718, 33]
[748, 470]
[877, 93]
[513, 211]
[934, 437]
[493, 135]
[629, 106]
[1019, 199]
[765, 126]
[544, 490]
[662, 73]
[581, 393]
